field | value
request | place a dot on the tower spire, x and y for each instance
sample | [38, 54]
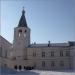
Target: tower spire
[22, 21]
[23, 11]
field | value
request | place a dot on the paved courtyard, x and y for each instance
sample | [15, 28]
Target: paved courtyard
[6, 71]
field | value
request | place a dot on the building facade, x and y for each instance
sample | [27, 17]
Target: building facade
[24, 55]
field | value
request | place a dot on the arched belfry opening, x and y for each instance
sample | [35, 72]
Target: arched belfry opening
[20, 32]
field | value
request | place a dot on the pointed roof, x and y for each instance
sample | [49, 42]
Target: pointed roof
[22, 21]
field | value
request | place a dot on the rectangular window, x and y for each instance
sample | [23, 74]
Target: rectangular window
[52, 63]
[34, 54]
[0, 51]
[61, 63]
[34, 64]
[67, 53]
[52, 53]
[61, 53]
[43, 54]
[43, 63]
[5, 54]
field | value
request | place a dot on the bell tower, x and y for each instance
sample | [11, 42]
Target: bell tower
[21, 38]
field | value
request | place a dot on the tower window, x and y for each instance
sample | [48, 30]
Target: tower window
[20, 32]
[25, 31]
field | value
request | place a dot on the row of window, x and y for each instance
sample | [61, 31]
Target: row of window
[53, 63]
[43, 65]
[67, 53]
[52, 53]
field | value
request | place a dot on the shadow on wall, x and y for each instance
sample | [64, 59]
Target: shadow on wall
[7, 71]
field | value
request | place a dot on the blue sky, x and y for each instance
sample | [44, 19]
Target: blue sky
[52, 20]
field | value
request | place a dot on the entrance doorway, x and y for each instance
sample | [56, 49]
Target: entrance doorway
[15, 67]
[20, 67]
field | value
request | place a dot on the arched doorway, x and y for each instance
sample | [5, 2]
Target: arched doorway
[15, 67]
[24, 67]
[20, 67]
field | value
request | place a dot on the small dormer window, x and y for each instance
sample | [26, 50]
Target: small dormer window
[20, 32]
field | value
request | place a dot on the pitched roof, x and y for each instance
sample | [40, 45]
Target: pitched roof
[22, 21]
